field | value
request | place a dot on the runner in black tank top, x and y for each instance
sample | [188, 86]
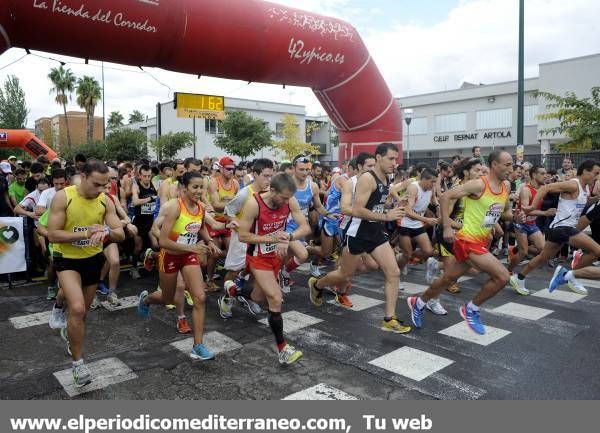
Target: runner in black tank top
[366, 234]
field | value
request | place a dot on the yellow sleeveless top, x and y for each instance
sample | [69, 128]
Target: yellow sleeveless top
[481, 214]
[187, 226]
[225, 193]
[81, 213]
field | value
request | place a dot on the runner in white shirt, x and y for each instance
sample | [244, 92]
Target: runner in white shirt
[28, 204]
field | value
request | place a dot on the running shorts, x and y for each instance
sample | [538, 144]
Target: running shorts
[330, 227]
[262, 263]
[358, 246]
[527, 229]
[89, 268]
[236, 254]
[413, 233]
[561, 235]
[463, 248]
[172, 263]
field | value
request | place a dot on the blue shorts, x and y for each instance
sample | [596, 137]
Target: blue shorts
[291, 226]
[331, 227]
[528, 229]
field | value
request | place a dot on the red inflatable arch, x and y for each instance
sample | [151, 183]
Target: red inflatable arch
[248, 40]
[21, 138]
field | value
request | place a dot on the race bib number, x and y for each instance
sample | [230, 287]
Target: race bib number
[267, 248]
[83, 242]
[379, 208]
[492, 216]
[148, 208]
[188, 239]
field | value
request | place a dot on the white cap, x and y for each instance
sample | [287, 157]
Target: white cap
[5, 167]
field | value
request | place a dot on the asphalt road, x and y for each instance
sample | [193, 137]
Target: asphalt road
[551, 354]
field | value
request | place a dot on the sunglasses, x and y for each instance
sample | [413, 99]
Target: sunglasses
[302, 160]
[229, 168]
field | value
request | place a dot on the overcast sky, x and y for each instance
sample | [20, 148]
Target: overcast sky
[420, 46]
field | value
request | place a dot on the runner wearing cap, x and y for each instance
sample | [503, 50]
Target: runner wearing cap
[221, 190]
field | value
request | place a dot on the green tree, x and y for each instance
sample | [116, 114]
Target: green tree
[63, 81]
[291, 143]
[167, 145]
[13, 109]
[136, 116]
[126, 145]
[115, 119]
[578, 119]
[243, 135]
[89, 93]
[96, 149]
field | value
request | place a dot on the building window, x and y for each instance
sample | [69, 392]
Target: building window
[493, 119]
[530, 115]
[451, 122]
[279, 130]
[213, 126]
[418, 126]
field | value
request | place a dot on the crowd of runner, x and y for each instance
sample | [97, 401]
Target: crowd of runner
[241, 231]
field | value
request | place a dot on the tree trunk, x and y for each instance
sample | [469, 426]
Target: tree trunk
[90, 125]
[67, 125]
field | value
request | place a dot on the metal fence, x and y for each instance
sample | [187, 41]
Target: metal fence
[550, 161]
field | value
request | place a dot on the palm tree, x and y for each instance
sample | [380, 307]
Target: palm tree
[115, 119]
[136, 116]
[64, 84]
[89, 94]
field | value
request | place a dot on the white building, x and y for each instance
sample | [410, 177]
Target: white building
[452, 122]
[205, 130]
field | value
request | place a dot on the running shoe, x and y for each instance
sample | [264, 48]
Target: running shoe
[134, 274]
[343, 300]
[183, 327]
[149, 260]
[188, 298]
[199, 351]
[52, 290]
[225, 303]
[58, 318]
[252, 307]
[143, 308]
[65, 338]
[289, 354]
[82, 375]
[395, 326]
[239, 281]
[472, 318]
[518, 285]
[416, 313]
[170, 307]
[284, 281]
[558, 278]
[95, 303]
[576, 286]
[102, 289]
[316, 295]
[211, 287]
[315, 271]
[435, 307]
[113, 299]
[454, 288]
[432, 268]
[577, 255]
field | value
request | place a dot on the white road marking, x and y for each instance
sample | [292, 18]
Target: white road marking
[214, 341]
[359, 302]
[126, 302]
[462, 331]
[522, 311]
[321, 391]
[412, 363]
[590, 283]
[412, 288]
[294, 320]
[559, 295]
[35, 319]
[105, 372]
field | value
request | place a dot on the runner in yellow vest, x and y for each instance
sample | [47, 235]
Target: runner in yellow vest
[486, 201]
[80, 219]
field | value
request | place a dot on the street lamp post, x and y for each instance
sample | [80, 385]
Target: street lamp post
[408, 118]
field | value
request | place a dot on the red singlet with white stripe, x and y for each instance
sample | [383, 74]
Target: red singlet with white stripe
[268, 221]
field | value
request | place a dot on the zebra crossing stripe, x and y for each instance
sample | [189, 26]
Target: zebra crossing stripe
[463, 332]
[35, 319]
[522, 311]
[412, 363]
[322, 391]
[105, 372]
[359, 302]
[214, 341]
[294, 320]
[559, 295]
